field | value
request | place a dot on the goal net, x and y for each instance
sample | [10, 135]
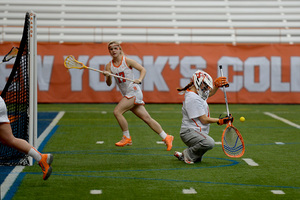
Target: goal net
[20, 95]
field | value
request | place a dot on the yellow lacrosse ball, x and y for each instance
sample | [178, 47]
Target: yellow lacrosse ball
[242, 119]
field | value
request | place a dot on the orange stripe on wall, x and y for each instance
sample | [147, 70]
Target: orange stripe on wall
[257, 73]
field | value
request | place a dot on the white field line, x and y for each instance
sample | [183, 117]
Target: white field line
[49, 128]
[189, 191]
[277, 192]
[282, 119]
[250, 162]
[10, 179]
[95, 191]
[279, 143]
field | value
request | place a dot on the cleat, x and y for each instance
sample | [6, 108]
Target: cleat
[124, 142]
[178, 155]
[45, 163]
[186, 157]
[168, 141]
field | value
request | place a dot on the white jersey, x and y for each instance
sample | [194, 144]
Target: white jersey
[193, 107]
[127, 88]
[3, 112]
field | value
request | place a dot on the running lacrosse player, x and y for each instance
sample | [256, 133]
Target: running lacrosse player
[132, 95]
[7, 138]
[196, 118]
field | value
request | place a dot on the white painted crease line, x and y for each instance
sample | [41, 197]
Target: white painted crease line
[250, 162]
[10, 179]
[218, 142]
[160, 142]
[100, 142]
[49, 128]
[282, 119]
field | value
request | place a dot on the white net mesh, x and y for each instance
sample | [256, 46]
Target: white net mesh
[232, 143]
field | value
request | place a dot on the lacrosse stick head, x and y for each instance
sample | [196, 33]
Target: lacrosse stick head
[71, 62]
[232, 142]
[11, 54]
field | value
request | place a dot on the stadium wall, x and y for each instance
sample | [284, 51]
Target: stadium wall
[262, 73]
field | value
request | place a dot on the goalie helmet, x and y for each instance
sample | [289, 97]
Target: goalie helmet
[203, 83]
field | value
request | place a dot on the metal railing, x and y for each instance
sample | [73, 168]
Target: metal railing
[175, 21]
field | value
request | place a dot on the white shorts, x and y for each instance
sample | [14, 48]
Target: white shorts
[3, 112]
[134, 91]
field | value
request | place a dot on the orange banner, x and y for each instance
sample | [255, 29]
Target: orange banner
[256, 73]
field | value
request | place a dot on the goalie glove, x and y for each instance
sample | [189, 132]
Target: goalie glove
[221, 81]
[225, 120]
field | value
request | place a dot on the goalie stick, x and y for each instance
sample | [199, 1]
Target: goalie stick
[232, 140]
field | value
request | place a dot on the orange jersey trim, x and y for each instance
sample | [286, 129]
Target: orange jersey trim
[4, 122]
[134, 100]
[197, 124]
[201, 134]
[190, 91]
[127, 64]
[119, 64]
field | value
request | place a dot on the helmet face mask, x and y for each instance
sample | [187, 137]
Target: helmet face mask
[203, 83]
[204, 86]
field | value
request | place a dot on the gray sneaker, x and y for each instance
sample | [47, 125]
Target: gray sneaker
[178, 155]
[186, 157]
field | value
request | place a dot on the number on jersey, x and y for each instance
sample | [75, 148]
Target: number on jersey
[119, 79]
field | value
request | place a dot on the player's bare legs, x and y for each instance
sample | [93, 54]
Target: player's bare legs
[141, 112]
[123, 106]
[8, 139]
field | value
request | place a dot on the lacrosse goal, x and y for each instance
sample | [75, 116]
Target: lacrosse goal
[20, 95]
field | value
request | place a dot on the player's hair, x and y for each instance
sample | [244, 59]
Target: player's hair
[186, 87]
[115, 43]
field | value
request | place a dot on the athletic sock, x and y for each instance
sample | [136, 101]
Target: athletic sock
[35, 154]
[163, 135]
[126, 133]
